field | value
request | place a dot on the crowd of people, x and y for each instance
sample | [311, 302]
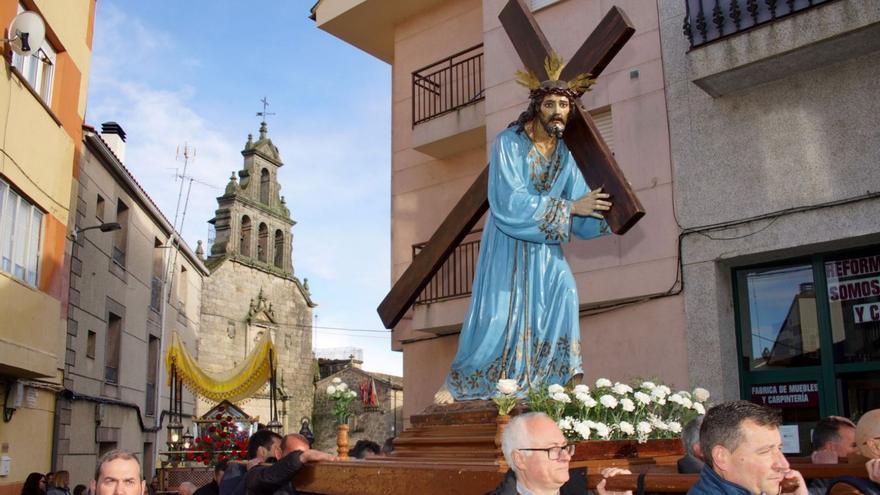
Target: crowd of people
[736, 449]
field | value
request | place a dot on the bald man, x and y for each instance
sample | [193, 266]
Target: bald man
[868, 440]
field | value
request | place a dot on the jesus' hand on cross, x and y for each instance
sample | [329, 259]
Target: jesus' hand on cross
[591, 204]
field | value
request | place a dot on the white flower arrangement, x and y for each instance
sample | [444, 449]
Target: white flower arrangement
[342, 398]
[617, 411]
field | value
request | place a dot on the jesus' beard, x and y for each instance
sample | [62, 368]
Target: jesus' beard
[555, 125]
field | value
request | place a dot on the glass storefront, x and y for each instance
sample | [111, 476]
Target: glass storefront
[809, 338]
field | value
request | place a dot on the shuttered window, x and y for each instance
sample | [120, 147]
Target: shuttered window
[606, 128]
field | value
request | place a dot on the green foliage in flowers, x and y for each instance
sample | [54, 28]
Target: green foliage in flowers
[342, 398]
[609, 411]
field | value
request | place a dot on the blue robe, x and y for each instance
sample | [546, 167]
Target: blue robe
[523, 318]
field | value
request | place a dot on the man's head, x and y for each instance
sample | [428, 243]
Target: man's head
[741, 442]
[868, 434]
[836, 434]
[62, 479]
[548, 109]
[219, 469]
[264, 443]
[118, 473]
[186, 488]
[690, 437]
[531, 445]
[293, 442]
[365, 448]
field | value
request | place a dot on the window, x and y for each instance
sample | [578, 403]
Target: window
[244, 243]
[540, 4]
[120, 237]
[99, 209]
[152, 371]
[21, 226]
[37, 68]
[809, 336]
[603, 122]
[263, 243]
[90, 345]
[182, 288]
[279, 249]
[156, 284]
[111, 352]
[264, 187]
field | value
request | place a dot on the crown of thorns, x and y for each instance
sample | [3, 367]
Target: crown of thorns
[553, 65]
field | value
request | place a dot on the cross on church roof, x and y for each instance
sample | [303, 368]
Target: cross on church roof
[264, 113]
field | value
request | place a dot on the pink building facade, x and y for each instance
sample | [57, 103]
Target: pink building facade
[453, 90]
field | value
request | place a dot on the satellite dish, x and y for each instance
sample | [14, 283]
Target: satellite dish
[27, 33]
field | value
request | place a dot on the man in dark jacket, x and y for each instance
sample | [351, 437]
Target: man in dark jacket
[213, 488]
[275, 479]
[742, 448]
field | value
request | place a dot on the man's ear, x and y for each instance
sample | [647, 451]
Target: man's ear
[721, 458]
[519, 459]
[144, 487]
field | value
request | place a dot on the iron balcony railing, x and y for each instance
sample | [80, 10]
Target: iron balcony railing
[455, 278]
[447, 85]
[710, 20]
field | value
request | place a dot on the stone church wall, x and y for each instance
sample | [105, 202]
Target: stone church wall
[227, 337]
[376, 424]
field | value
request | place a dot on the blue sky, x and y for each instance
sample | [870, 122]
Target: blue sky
[193, 72]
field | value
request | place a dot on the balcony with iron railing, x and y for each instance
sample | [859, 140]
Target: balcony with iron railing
[448, 115]
[710, 20]
[455, 278]
[735, 45]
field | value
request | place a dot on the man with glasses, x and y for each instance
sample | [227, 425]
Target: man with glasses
[538, 455]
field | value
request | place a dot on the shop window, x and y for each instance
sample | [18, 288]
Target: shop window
[21, 225]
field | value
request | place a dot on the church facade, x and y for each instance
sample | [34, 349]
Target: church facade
[252, 288]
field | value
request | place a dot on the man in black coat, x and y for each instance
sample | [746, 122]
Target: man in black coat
[274, 479]
[213, 488]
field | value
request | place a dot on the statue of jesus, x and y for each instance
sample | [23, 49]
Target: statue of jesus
[522, 322]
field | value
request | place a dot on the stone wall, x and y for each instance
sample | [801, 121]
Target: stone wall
[227, 335]
[376, 424]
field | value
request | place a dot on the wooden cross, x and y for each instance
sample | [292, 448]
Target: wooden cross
[582, 137]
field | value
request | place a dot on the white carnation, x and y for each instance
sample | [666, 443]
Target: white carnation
[565, 423]
[331, 390]
[342, 386]
[627, 405]
[586, 400]
[507, 386]
[337, 380]
[701, 394]
[642, 398]
[603, 382]
[582, 429]
[644, 427]
[687, 403]
[699, 408]
[581, 389]
[649, 385]
[621, 388]
[674, 426]
[352, 394]
[674, 398]
[561, 397]
[608, 401]
[602, 430]
[684, 393]
[555, 389]
[627, 428]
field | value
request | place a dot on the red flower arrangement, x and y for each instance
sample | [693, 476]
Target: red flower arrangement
[221, 441]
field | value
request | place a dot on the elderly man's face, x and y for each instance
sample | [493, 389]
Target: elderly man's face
[535, 469]
[757, 464]
[119, 477]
